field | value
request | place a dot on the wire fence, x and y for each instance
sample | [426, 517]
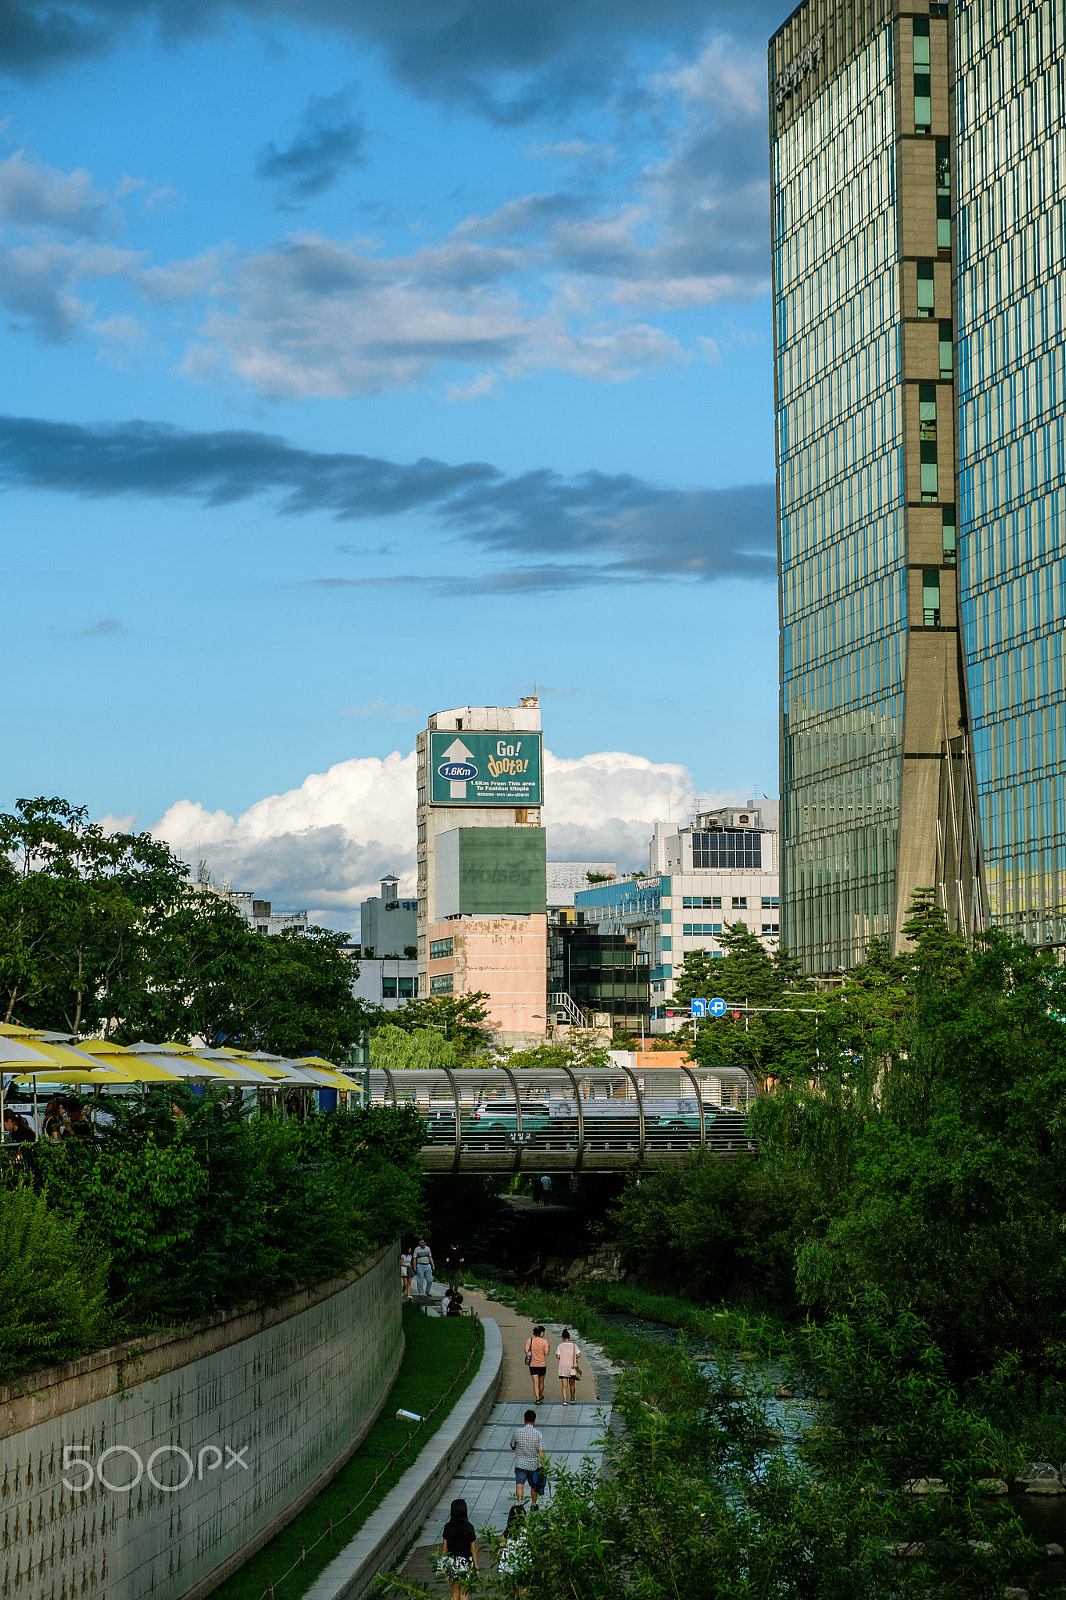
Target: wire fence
[382, 1477]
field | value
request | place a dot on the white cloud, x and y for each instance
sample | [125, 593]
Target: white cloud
[483, 387]
[37, 282]
[32, 195]
[325, 845]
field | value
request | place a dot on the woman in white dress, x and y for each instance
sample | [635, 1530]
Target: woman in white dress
[568, 1356]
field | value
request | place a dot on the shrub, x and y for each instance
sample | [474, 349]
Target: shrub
[54, 1301]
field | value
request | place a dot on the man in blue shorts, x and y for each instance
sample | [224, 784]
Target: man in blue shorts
[527, 1443]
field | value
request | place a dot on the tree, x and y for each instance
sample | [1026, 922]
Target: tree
[462, 1019]
[217, 978]
[76, 904]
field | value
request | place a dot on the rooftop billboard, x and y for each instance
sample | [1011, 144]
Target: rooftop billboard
[485, 769]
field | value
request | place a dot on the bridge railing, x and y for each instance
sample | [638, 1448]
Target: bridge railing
[503, 1119]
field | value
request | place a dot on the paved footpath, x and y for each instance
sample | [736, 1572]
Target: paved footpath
[486, 1478]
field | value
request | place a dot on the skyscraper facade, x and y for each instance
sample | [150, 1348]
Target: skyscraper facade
[915, 232]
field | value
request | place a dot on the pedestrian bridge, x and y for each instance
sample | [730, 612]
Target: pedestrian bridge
[495, 1119]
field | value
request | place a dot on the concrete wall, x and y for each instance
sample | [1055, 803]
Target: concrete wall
[505, 958]
[239, 1424]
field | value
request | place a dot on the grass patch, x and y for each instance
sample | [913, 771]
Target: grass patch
[436, 1348]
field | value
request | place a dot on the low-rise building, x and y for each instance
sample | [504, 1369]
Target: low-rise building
[388, 925]
[566, 878]
[387, 981]
[721, 868]
[261, 915]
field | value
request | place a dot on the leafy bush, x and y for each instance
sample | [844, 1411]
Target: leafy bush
[54, 1299]
[205, 1210]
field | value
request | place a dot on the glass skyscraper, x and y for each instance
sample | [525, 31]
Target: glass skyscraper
[916, 158]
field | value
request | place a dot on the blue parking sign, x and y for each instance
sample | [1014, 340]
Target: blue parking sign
[699, 1008]
[717, 1007]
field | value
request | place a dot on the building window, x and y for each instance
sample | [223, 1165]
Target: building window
[931, 597]
[667, 944]
[667, 915]
[943, 195]
[927, 437]
[948, 534]
[407, 988]
[700, 930]
[442, 984]
[771, 927]
[441, 949]
[922, 113]
[770, 902]
[947, 351]
[740, 902]
[743, 850]
[388, 988]
[925, 289]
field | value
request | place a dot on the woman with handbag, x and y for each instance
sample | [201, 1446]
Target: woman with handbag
[568, 1356]
[537, 1349]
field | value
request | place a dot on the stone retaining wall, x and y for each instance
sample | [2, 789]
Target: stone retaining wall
[155, 1469]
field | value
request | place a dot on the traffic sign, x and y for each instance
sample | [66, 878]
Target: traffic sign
[699, 1008]
[717, 1007]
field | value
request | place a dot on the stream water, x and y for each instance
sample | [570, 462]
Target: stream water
[1043, 1516]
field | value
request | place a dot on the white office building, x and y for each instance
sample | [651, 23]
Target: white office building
[720, 868]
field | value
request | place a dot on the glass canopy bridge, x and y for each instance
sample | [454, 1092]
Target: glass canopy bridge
[493, 1119]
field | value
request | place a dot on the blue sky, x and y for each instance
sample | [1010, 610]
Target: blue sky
[359, 360]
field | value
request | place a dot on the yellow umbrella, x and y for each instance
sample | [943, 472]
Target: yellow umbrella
[102, 1047]
[324, 1069]
[99, 1075]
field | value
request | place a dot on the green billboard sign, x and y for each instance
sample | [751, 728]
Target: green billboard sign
[485, 769]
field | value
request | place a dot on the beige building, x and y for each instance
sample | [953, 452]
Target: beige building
[482, 922]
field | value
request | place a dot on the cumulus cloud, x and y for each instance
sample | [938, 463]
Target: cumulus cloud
[329, 142]
[593, 528]
[34, 194]
[325, 845]
[38, 283]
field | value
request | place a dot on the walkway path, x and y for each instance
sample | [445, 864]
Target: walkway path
[486, 1478]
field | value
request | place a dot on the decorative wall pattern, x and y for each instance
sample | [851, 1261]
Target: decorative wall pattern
[148, 1491]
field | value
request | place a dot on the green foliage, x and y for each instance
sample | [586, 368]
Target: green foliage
[461, 1019]
[715, 1230]
[53, 1293]
[211, 1209]
[214, 976]
[691, 1503]
[74, 906]
[399, 1048]
[104, 932]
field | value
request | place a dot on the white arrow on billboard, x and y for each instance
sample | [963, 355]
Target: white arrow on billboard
[457, 751]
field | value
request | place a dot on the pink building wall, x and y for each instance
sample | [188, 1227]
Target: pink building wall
[504, 957]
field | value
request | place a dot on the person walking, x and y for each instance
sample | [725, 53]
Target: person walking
[537, 1349]
[515, 1559]
[407, 1272]
[458, 1551]
[527, 1442]
[546, 1189]
[568, 1355]
[424, 1267]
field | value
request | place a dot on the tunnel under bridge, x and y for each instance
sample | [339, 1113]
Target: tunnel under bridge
[495, 1119]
